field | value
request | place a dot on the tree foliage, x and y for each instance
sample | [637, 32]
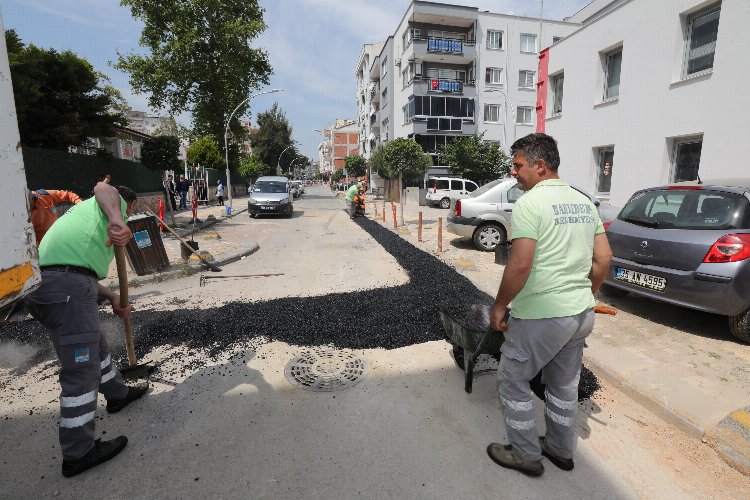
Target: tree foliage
[404, 157]
[201, 59]
[252, 168]
[160, 152]
[273, 136]
[204, 152]
[337, 175]
[60, 100]
[475, 159]
[377, 162]
[356, 166]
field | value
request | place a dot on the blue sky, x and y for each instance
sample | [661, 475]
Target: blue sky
[312, 44]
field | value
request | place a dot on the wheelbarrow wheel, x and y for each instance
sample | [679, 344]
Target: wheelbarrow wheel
[458, 356]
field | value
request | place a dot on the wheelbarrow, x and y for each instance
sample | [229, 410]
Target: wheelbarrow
[468, 343]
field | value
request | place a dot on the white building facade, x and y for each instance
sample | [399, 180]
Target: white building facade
[646, 94]
[450, 71]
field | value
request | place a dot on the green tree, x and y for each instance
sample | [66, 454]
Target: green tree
[160, 152]
[377, 162]
[202, 59]
[475, 159]
[337, 175]
[405, 158]
[273, 137]
[204, 152]
[252, 168]
[60, 100]
[356, 166]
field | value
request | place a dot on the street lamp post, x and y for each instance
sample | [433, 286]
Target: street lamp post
[278, 162]
[226, 138]
[505, 122]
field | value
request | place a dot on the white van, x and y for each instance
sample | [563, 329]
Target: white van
[440, 190]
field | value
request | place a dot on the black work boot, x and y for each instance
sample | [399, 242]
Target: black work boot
[100, 453]
[504, 456]
[134, 392]
[562, 463]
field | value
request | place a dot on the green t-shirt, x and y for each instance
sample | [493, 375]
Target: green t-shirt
[563, 223]
[78, 239]
[352, 192]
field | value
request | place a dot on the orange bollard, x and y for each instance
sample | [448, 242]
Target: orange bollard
[384, 212]
[395, 224]
[375, 207]
[419, 231]
[161, 214]
[440, 235]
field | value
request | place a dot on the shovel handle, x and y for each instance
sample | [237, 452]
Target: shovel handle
[122, 276]
[605, 310]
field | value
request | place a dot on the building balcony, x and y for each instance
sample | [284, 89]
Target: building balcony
[445, 50]
[428, 86]
[374, 90]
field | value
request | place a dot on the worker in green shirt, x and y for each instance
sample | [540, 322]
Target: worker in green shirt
[559, 258]
[350, 194]
[75, 253]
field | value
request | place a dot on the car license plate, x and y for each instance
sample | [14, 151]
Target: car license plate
[641, 279]
[266, 208]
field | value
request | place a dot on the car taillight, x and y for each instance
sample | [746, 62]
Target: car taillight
[606, 224]
[729, 248]
[457, 209]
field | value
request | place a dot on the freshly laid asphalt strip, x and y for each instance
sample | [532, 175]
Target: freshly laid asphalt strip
[387, 318]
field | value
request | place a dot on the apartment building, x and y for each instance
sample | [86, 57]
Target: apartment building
[341, 140]
[142, 122]
[450, 71]
[646, 94]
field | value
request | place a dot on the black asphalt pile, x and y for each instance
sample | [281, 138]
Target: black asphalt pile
[387, 318]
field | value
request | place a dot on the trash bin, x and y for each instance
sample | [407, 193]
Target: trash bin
[145, 251]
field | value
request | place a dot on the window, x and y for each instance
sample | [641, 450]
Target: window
[384, 65]
[612, 76]
[494, 76]
[528, 43]
[450, 35]
[514, 194]
[492, 113]
[525, 79]
[409, 35]
[439, 106]
[700, 46]
[523, 117]
[494, 39]
[557, 94]
[605, 159]
[445, 124]
[384, 97]
[687, 158]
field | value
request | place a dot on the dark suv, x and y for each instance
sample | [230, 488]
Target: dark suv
[687, 244]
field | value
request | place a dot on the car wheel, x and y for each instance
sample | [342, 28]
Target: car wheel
[611, 291]
[739, 326]
[488, 236]
[445, 203]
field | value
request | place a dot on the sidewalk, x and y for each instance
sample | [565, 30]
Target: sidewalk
[218, 243]
[679, 364]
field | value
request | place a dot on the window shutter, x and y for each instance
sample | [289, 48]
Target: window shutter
[488, 76]
[488, 39]
[433, 73]
[486, 111]
[418, 69]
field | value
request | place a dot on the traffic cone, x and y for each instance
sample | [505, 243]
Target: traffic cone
[161, 215]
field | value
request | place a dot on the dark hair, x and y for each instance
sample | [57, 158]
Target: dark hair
[538, 147]
[127, 194]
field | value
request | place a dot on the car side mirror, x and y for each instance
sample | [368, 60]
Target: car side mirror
[597, 203]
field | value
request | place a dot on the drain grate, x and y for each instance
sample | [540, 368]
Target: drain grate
[321, 370]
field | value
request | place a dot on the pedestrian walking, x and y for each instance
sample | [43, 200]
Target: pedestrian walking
[220, 192]
[171, 190]
[202, 192]
[559, 258]
[183, 186]
[75, 253]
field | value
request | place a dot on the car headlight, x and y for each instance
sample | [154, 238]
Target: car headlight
[284, 201]
[252, 200]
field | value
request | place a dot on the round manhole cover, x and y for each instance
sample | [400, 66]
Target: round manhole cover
[325, 371]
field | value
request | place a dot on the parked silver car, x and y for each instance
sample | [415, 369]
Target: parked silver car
[441, 190]
[271, 195]
[687, 244]
[485, 215]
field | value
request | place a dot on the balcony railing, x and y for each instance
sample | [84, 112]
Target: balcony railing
[445, 45]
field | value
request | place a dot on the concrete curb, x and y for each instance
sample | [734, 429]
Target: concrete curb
[730, 438]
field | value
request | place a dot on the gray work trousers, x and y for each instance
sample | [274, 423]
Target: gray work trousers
[65, 304]
[554, 346]
[352, 208]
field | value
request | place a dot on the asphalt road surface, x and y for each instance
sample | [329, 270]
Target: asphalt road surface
[224, 419]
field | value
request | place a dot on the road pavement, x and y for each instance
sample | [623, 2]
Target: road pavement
[228, 422]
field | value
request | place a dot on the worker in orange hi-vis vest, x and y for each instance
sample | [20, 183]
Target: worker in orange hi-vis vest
[47, 206]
